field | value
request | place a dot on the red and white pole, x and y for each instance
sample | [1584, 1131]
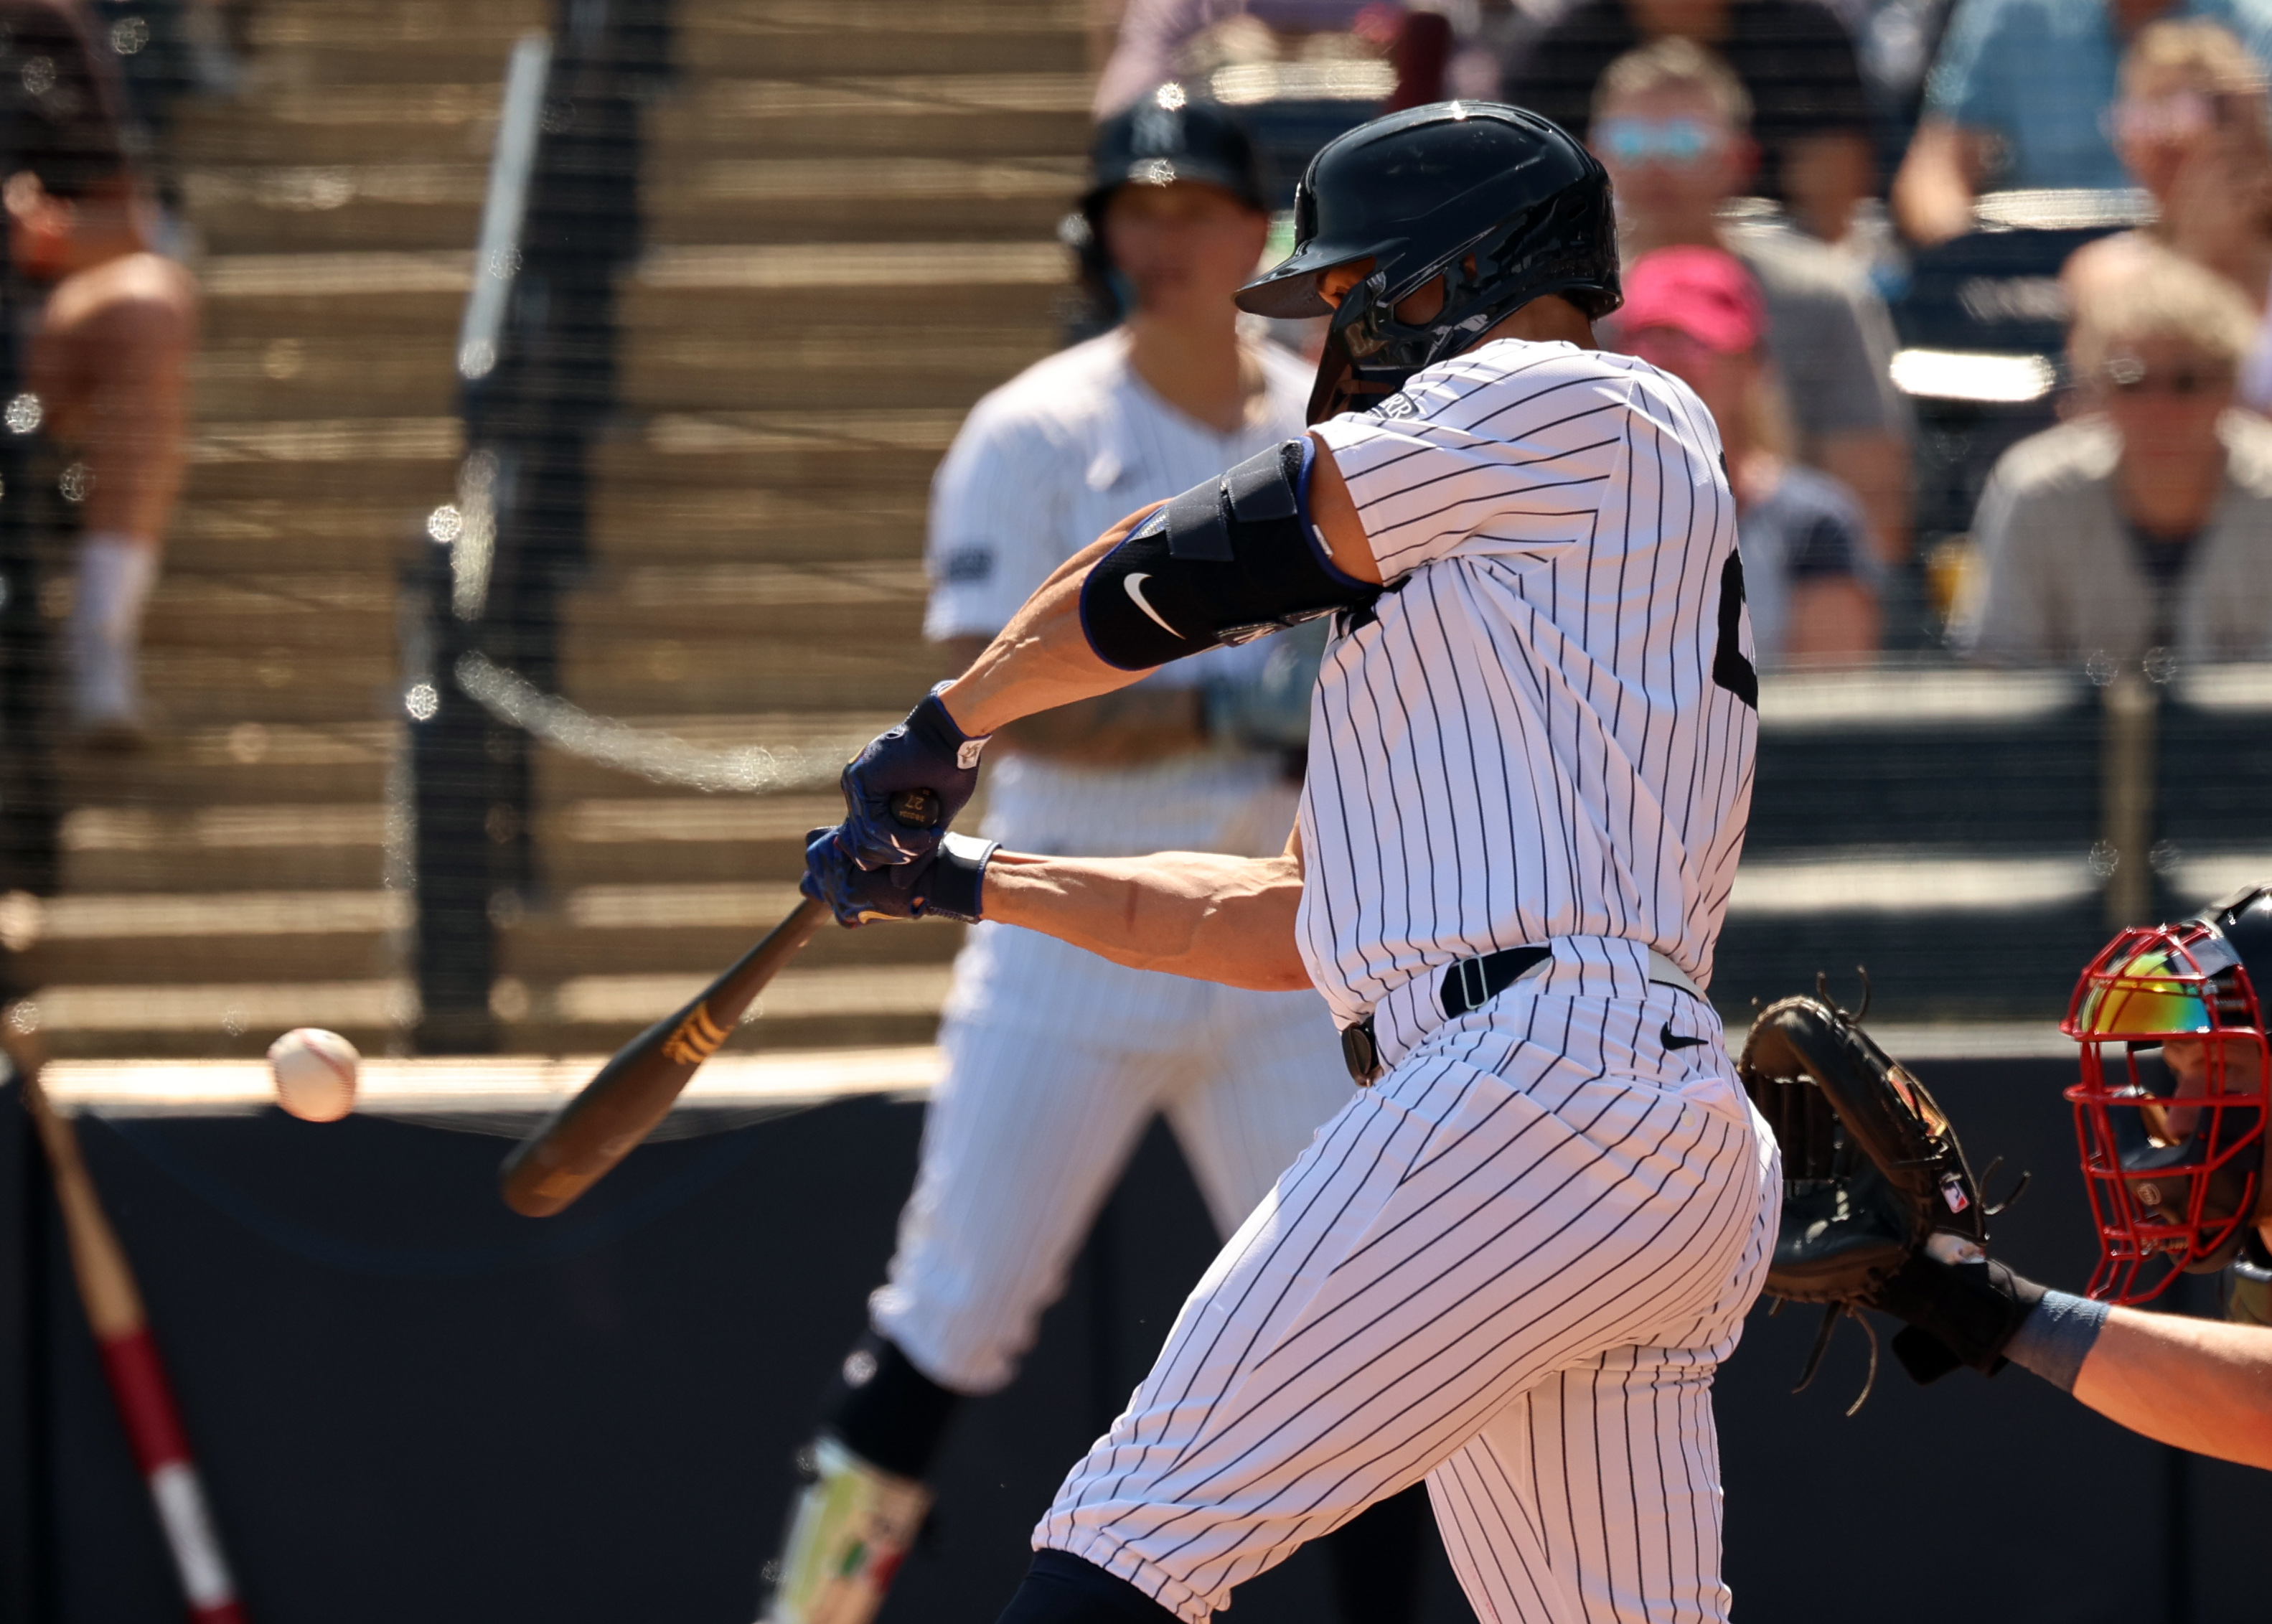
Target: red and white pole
[129, 1359]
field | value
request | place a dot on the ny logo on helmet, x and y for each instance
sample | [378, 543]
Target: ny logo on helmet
[1160, 123]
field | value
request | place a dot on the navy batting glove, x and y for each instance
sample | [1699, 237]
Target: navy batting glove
[943, 885]
[926, 751]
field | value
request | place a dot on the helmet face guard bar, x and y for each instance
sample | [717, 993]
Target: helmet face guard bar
[2173, 1149]
[1551, 247]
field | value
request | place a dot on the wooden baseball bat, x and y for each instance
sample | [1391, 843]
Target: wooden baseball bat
[573, 1149]
[130, 1359]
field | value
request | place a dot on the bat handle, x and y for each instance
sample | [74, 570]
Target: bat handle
[918, 809]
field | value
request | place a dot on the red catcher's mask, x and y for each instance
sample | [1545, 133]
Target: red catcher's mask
[2171, 1110]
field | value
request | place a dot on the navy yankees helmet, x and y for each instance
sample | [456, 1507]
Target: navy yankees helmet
[2176, 1083]
[1507, 207]
[1168, 136]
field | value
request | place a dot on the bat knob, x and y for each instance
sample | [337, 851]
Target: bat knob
[918, 809]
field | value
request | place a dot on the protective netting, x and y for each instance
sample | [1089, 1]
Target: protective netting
[562, 403]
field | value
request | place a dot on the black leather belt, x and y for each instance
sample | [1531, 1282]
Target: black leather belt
[1468, 983]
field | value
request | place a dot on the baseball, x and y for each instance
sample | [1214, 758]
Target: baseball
[315, 1073]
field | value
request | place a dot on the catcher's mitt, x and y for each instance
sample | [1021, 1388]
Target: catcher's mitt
[1872, 1173]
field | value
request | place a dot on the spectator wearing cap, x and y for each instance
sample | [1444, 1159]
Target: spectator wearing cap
[110, 355]
[2019, 97]
[1794, 58]
[1671, 125]
[2146, 522]
[1696, 313]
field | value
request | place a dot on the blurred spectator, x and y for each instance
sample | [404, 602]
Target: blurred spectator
[2145, 523]
[1795, 62]
[1894, 42]
[2191, 129]
[109, 356]
[2019, 99]
[1158, 39]
[1671, 123]
[1808, 575]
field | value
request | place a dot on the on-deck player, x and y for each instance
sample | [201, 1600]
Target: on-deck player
[1512, 1264]
[1058, 1060]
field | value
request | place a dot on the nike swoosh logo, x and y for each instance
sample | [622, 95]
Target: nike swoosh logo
[1665, 1036]
[1135, 585]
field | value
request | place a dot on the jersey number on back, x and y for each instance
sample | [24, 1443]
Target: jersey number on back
[1730, 668]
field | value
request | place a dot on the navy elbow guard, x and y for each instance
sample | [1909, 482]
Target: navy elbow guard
[1226, 561]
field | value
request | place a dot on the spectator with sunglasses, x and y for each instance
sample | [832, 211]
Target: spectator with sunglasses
[2190, 128]
[2145, 522]
[2019, 96]
[1794, 58]
[1671, 125]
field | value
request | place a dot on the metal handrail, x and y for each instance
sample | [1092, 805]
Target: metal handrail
[504, 209]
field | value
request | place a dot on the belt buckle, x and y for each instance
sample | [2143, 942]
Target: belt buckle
[1361, 1054]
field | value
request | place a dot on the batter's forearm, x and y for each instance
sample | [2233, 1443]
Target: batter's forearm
[2202, 1385]
[1042, 660]
[1187, 913]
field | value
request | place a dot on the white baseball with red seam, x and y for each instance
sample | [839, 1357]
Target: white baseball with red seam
[315, 1073]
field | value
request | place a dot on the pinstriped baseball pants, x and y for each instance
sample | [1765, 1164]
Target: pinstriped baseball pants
[1510, 1267]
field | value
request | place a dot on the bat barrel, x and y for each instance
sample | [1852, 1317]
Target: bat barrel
[577, 1145]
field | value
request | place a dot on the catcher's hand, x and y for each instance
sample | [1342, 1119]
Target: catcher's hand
[1877, 1194]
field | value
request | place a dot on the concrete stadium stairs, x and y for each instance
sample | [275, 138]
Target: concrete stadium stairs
[850, 237]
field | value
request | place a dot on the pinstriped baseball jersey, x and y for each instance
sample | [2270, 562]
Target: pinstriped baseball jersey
[1542, 730]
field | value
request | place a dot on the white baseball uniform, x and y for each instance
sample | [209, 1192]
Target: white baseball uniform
[1059, 1059]
[1512, 1265]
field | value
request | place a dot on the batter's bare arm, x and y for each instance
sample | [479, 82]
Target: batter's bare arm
[1043, 657]
[1189, 913]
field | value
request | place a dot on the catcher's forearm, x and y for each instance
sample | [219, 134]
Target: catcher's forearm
[1188, 913]
[2202, 1385]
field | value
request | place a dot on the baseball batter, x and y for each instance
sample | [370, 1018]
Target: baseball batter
[1512, 1264]
[1058, 1060]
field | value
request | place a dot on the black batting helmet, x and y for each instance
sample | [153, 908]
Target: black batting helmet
[1420, 193]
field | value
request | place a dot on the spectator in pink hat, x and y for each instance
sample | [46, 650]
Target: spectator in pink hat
[1808, 571]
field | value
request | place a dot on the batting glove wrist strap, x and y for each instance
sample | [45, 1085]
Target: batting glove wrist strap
[953, 885]
[930, 723]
